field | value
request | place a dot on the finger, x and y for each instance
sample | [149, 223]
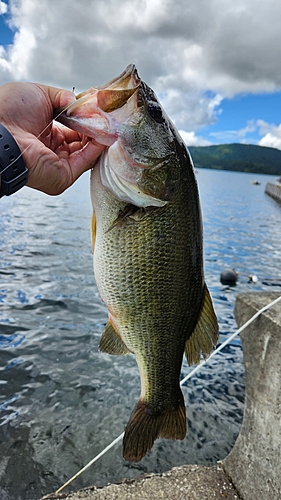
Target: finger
[61, 134]
[84, 159]
[75, 140]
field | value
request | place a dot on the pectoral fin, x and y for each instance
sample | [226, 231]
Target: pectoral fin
[206, 333]
[131, 211]
[111, 341]
[127, 212]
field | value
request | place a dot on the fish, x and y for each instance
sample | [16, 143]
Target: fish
[147, 243]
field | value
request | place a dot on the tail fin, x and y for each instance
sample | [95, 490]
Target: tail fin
[147, 424]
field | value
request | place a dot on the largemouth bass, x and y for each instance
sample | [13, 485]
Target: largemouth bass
[148, 257]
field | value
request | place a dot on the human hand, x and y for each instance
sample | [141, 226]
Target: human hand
[54, 155]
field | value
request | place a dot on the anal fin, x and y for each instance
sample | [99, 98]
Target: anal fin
[111, 341]
[206, 333]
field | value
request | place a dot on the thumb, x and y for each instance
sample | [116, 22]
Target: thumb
[58, 97]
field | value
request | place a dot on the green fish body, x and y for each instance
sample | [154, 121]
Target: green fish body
[148, 255]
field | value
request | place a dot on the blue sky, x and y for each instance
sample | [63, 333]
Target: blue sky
[265, 106]
[241, 114]
[6, 34]
[215, 65]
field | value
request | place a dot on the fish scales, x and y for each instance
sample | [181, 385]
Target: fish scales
[147, 284]
[148, 254]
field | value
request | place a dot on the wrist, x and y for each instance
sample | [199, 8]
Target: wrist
[13, 172]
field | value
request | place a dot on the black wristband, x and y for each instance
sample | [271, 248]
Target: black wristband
[14, 174]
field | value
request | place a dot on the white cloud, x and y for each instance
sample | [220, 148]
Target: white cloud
[3, 8]
[271, 135]
[192, 53]
[191, 139]
[239, 135]
[250, 127]
[271, 141]
[24, 43]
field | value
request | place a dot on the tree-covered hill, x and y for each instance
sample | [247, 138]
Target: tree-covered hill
[241, 157]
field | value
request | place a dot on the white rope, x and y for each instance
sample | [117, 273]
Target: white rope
[196, 369]
[92, 461]
[227, 341]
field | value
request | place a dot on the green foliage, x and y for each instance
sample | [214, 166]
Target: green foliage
[240, 157]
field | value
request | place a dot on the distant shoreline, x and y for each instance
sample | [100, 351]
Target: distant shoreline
[238, 157]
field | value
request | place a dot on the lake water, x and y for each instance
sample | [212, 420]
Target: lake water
[61, 401]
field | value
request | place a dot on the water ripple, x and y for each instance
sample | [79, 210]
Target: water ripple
[61, 401]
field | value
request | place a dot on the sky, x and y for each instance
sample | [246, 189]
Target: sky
[214, 64]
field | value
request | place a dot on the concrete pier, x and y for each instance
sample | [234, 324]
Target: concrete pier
[252, 470]
[254, 463]
[190, 482]
[274, 190]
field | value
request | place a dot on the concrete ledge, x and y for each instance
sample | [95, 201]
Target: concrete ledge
[190, 482]
[273, 190]
[254, 463]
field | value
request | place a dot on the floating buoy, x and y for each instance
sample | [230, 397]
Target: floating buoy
[229, 277]
[253, 279]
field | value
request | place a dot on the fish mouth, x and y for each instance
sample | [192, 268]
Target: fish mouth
[90, 112]
[128, 79]
[114, 94]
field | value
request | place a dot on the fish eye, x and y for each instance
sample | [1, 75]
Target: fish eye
[155, 112]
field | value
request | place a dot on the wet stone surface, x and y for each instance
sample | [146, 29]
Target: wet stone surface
[181, 483]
